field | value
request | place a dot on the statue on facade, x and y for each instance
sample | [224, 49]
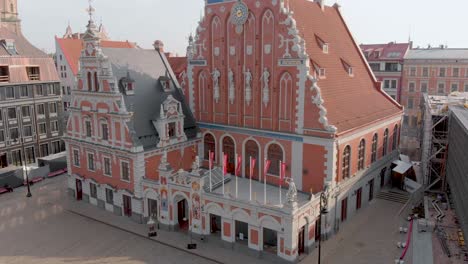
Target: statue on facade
[266, 86]
[248, 87]
[291, 195]
[196, 164]
[216, 74]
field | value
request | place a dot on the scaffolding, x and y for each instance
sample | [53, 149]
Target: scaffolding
[435, 131]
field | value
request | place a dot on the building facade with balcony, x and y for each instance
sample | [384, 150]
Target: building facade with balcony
[433, 71]
[30, 107]
[386, 61]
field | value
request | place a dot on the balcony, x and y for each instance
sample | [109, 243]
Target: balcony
[33, 73]
[4, 74]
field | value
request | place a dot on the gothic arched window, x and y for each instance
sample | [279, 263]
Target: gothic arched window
[362, 154]
[285, 97]
[210, 145]
[346, 169]
[395, 138]
[375, 141]
[385, 143]
[229, 150]
[202, 87]
[275, 155]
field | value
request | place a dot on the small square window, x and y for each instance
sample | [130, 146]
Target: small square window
[10, 92]
[42, 129]
[76, 158]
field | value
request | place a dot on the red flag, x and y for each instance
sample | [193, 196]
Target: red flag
[225, 161]
[267, 167]
[211, 157]
[239, 163]
[283, 172]
[252, 167]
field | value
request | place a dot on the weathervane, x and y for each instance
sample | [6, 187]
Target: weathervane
[90, 9]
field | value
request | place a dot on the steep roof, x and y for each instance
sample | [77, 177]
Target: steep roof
[390, 51]
[145, 67]
[351, 101]
[72, 49]
[178, 64]
[437, 54]
[22, 46]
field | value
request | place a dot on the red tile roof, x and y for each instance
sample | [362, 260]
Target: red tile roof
[390, 51]
[72, 49]
[178, 64]
[351, 101]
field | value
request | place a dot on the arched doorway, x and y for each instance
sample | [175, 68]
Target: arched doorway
[251, 150]
[181, 213]
[229, 149]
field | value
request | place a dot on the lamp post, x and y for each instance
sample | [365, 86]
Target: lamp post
[24, 166]
[323, 211]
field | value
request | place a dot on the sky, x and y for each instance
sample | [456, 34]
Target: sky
[432, 22]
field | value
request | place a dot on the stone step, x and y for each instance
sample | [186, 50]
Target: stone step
[393, 196]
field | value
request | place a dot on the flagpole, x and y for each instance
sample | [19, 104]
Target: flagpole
[222, 153]
[250, 180]
[264, 184]
[235, 174]
[281, 181]
[211, 168]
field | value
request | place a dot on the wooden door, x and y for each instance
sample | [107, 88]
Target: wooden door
[371, 190]
[79, 190]
[382, 177]
[127, 202]
[301, 246]
[344, 209]
[359, 199]
[181, 211]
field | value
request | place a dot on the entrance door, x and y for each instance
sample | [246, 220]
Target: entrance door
[344, 209]
[251, 150]
[79, 190]
[359, 199]
[45, 150]
[382, 177]
[301, 246]
[127, 203]
[215, 224]
[371, 190]
[3, 160]
[181, 214]
[152, 208]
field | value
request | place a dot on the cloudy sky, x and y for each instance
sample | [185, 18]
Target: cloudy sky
[143, 21]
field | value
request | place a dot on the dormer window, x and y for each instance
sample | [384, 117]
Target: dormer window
[4, 74]
[322, 44]
[349, 69]
[319, 71]
[377, 54]
[165, 83]
[33, 73]
[9, 45]
[128, 85]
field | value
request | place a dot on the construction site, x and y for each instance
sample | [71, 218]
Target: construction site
[444, 168]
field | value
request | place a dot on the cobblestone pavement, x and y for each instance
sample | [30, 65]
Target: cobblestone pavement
[368, 237]
[42, 230]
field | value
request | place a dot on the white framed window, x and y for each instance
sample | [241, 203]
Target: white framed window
[39, 90]
[107, 166]
[92, 190]
[27, 131]
[455, 72]
[40, 109]
[2, 136]
[109, 196]
[104, 131]
[14, 133]
[424, 87]
[454, 87]
[412, 71]
[54, 126]
[42, 129]
[125, 170]
[53, 108]
[24, 91]
[411, 87]
[11, 113]
[91, 164]
[88, 131]
[10, 92]
[466, 87]
[442, 72]
[26, 111]
[76, 157]
[441, 88]
[425, 72]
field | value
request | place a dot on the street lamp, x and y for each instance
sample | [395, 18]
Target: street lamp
[24, 166]
[323, 211]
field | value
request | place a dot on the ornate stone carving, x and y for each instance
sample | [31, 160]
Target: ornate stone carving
[318, 101]
[248, 87]
[216, 74]
[266, 86]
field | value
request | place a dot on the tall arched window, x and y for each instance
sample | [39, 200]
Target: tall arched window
[362, 154]
[209, 145]
[251, 151]
[275, 155]
[375, 142]
[285, 97]
[96, 82]
[229, 150]
[385, 143]
[90, 82]
[395, 138]
[346, 170]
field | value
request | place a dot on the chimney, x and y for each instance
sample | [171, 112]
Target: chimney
[321, 3]
[159, 46]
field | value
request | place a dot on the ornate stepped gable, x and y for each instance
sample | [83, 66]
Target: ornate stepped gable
[266, 48]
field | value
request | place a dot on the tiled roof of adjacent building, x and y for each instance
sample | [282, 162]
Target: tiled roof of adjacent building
[385, 52]
[351, 101]
[72, 49]
[21, 44]
[178, 64]
[437, 54]
[145, 67]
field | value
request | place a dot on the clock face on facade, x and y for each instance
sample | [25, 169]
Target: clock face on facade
[239, 14]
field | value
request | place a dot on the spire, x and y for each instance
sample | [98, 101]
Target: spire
[103, 32]
[68, 31]
[91, 32]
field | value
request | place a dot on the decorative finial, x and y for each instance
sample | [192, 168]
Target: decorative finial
[90, 10]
